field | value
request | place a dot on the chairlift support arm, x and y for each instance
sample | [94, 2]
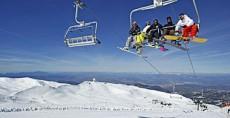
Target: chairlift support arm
[197, 12]
[76, 13]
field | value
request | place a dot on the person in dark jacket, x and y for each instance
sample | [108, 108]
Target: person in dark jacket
[156, 31]
[133, 32]
[169, 28]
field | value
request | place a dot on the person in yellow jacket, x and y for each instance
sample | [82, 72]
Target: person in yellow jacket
[141, 37]
[133, 32]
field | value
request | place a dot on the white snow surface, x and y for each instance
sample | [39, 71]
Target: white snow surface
[45, 99]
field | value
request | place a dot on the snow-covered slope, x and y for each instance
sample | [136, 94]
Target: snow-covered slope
[95, 95]
[29, 90]
[10, 86]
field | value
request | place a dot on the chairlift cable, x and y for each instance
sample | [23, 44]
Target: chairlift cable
[152, 66]
[190, 61]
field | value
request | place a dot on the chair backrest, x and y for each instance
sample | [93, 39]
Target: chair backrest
[81, 35]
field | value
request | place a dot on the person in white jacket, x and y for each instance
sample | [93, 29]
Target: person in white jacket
[189, 28]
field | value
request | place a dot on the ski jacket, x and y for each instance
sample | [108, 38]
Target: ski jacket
[185, 22]
[156, 29]
[147, 29]
[134, 30]
[156, 26]
[169, 26]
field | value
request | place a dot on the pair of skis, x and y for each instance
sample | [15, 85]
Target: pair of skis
[131, 52]
[139, 55]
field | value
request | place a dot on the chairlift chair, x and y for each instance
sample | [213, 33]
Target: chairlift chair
[81, 39]
[161, 3]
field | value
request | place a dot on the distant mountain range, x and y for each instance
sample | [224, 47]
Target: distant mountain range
[128, 78]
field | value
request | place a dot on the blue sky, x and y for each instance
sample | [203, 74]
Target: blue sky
[32, 31]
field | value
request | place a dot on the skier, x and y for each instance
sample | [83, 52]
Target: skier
[147, 30]
[134, 31]
[156, 29]
[190, 29]
[169, 28]
[140, 38]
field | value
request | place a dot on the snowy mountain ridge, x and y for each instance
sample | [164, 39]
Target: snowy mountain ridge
[10, 86]
[93, 95]
[39, 91]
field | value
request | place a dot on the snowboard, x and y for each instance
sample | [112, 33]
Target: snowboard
[196, 40]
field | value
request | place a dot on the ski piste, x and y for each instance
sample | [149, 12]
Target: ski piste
[131, 52]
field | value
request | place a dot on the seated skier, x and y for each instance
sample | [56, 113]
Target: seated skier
[137, 37]
[148, 32]
[133, 32]
[169, 29]
[156, 31]
[147, 29]
[189, 28]
[154, 34]
[140, 38]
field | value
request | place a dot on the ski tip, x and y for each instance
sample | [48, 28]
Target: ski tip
[120, 48]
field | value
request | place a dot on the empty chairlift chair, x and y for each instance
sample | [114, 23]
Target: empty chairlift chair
[81, 34]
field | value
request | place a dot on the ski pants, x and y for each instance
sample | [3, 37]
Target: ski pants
[135, 40]
[130, 41]
[190, 31]
[140, 38]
